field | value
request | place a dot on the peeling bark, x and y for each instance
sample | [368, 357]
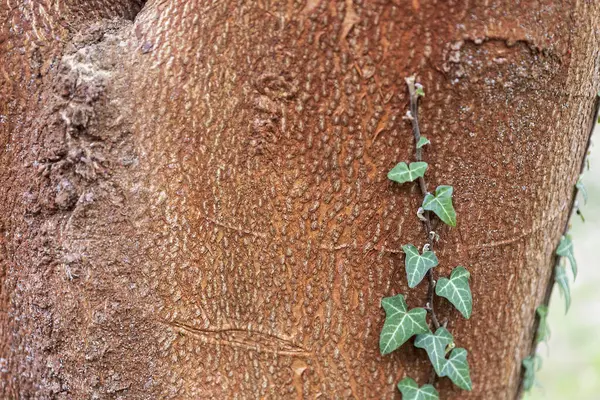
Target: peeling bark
[194, 196]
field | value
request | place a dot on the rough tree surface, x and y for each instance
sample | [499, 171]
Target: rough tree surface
[194, 202]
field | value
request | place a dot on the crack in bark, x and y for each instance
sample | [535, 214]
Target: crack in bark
[260, 342]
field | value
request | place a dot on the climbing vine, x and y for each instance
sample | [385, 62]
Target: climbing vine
[401, 324]
[564, 252]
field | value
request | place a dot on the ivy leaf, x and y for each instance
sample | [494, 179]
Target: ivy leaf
[402, 173]
[400, 324]
[531, 365]
[422, 142]
[417, 265]
[565, 249]
[457, 290]
[529, 377]
[419, 91]
[580, 186]
[457, 369]
[435, 346]
[441, 204]
[560, 277]
[411, 391]
[543, 332]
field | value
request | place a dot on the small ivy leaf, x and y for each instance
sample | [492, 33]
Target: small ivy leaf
[457, 290]
[543, 332]
[402, 173]
[565, 249]
[435, 345]
[411, 391]
[457, 369]
[417, 265]
[529, 376]
[531, 365]
[422, 142]
[581, 187]
[419, 91]
[563, 283]
[441, 204]
[400, 324]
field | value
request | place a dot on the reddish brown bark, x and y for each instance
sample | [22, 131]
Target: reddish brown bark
[195, 203]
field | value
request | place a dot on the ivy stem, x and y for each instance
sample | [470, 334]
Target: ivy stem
[567, 226]
[414, 119]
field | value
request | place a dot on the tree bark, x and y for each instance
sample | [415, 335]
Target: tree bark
[194, 201]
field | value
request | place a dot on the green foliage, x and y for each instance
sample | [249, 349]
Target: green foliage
[457, 369]
[457, 290]
[543, 332]
[435, 345]
[422, 142]
[402, 173]
[411, 391]
[531, 365]
[560, 277]
[400, 324]
[565, 249]
[581, 187]
[417, 265]
[441, 204]
[419, 92]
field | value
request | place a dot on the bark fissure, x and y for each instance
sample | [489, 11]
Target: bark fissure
[246, 339]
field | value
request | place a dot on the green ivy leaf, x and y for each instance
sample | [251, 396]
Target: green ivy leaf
[441, 204]
[400, 324]
[435, 346]
[457, 290]
[419, 91]
[531, 365]
[581, 187]
[560, 277]
[565, 249]
[457, 369]
[417, 265]
[422, 142]
[402, 173]
[411, 391]
[543, 332]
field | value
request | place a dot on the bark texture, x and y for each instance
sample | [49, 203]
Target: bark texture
[194, 203]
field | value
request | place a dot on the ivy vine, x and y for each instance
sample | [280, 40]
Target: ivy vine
[401, 323]
[564, 252]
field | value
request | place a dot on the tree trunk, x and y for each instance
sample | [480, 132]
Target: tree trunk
[194, 201]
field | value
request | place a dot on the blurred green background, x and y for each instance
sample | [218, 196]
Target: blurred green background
[571, 360]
